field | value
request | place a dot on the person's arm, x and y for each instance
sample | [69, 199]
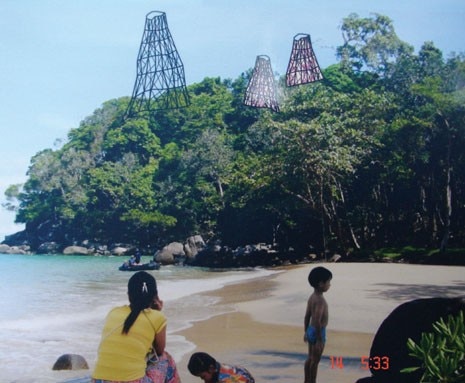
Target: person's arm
[157, 304]
[159, 343]
[308, 314]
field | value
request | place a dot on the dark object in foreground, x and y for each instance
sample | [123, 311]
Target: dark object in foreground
[70, 362]
[144, 266]
[409, 320]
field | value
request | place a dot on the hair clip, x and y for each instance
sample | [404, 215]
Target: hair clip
[144, 288]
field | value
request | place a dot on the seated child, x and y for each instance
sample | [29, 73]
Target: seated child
[209, 370]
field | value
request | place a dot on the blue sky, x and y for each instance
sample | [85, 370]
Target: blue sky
[61, 59]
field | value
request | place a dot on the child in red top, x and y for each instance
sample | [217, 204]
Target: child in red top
[209, 370]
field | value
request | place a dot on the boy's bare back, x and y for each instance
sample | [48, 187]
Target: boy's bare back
[317, 310]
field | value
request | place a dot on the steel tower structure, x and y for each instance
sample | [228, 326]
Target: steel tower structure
[160, 81]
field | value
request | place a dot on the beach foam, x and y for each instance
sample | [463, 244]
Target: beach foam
[54, 305]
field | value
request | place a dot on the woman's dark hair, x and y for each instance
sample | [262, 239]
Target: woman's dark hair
[319, 274]
[142, 289]
[200, 362]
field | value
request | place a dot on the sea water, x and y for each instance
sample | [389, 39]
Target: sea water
[53, 305]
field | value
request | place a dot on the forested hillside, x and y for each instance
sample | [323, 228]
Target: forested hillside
[372, 156]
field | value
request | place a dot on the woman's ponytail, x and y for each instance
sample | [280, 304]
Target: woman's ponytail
[142, 289]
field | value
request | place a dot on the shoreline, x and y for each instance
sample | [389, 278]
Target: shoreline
[268, 350]
[263, 328]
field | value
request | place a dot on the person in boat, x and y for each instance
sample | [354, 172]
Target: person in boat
[131, 261]
[137, 256]
[132, 347]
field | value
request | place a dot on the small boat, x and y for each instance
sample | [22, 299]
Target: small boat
[152, 265]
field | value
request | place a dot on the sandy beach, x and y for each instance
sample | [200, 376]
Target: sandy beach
[263, 329]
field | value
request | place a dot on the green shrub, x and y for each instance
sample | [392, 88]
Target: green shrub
[441, 352]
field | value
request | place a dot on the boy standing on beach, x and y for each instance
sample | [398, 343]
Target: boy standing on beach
[316, 320]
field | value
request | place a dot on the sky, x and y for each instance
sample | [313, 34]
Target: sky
[62, 59]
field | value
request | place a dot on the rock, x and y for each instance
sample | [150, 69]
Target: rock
[119, 250]
[75, 250]
[48, 248]
[24, 249]
[409, 320]
[335, 258]
[170, 253]
[71, 362]
[18, 239]
[217, 256]
[193, 245]
[5, 249]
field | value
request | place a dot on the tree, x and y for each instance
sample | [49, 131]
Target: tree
[314, 149]
[12, 194]
[370, 43]
[444, 108]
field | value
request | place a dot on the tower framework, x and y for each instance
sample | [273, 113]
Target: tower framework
[303, 66]
[261, 91]
[160, 81]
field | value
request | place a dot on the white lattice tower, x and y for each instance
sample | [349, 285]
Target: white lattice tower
[261, 91]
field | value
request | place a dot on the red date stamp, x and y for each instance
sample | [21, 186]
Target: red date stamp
[366, 362]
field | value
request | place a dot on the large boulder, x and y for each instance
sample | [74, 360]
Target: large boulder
[193, 245]
[170, 254]
[71, 362]
[409, 320]
[119, 250]
[4, 249]
[75, 250]
[22, 249]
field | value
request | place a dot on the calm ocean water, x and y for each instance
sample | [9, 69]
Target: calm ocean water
[53, 305]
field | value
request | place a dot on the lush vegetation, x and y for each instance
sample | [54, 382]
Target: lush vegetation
[371, 157]
[441, 352]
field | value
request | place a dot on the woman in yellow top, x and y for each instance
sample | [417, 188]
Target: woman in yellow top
[132, 348]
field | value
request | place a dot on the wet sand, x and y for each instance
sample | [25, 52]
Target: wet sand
[263, 330]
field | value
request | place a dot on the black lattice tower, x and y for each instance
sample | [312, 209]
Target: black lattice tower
[261, 91]
[303, 66]
[160, 81]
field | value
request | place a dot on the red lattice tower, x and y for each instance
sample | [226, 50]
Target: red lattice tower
[303, 66]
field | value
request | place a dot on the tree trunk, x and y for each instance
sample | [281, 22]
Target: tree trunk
[446, 235]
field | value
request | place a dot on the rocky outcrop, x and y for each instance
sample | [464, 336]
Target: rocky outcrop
[217, 256]
[408, 320]
[23, 249]
[194, 252]
[21, 238]
[71, 362]
[49, 248]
